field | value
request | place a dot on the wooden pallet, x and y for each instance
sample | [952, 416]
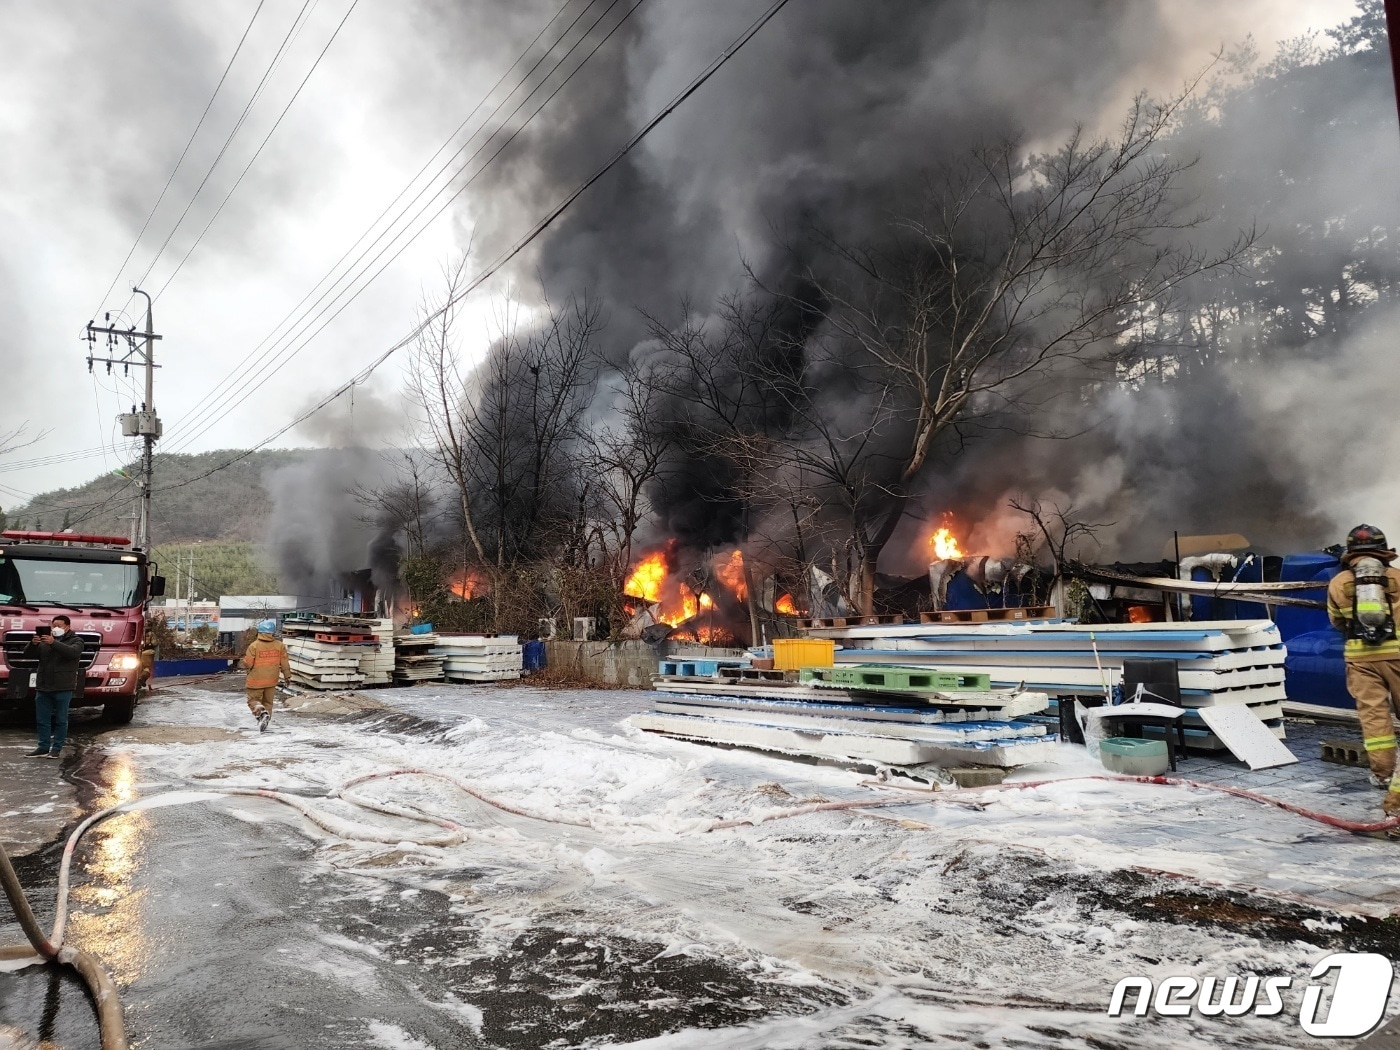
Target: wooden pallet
[1031, 612]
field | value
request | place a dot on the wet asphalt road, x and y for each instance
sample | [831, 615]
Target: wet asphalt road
[234, 923]
[226, 933]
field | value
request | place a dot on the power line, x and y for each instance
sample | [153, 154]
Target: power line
[237, 182]
[211, 415]
[289, 351]
[166, 188]
[714, 67]
[239, 369]
[57, 457]
[272, 65]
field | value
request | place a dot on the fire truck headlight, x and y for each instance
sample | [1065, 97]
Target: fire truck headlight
[125, 662]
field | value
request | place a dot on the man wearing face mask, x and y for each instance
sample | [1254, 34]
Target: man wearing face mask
[57, 650]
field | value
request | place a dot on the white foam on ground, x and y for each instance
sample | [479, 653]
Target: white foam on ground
[976, 898]
[392, 1037]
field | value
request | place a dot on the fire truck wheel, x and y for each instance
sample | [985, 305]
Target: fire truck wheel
[119, 711]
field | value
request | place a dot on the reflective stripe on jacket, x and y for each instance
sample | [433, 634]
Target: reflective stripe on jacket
[1341, 595]
[266, 661]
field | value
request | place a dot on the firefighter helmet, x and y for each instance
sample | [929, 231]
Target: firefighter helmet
[1367, 539]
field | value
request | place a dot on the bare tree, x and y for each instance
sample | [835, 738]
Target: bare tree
[725, 408]
[507, 433]
[1024, 276]
[406, 504]
[438, 385]
[1062, 532]
[14, 439]
[627, 453]
[524, 417]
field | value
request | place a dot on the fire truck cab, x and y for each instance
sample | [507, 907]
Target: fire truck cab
[102, 584]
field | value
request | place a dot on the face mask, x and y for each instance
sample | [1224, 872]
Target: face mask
[58, 632]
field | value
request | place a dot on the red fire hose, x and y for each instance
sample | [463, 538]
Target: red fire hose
[1356, 826]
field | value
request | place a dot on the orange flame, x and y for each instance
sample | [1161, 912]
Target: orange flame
[706, 602]
[945, 544]
[647, 578]
[731, 574]
[467, 584]
[651, 582]
[786, 606]
[687, 609]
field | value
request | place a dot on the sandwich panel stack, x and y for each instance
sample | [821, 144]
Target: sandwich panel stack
[480, 658]
[377, 663]
[1218, 662]
[323, 655]
[948, 719]
[847, 735]
[415, 659]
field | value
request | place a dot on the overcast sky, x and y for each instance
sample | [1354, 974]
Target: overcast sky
[97, 100]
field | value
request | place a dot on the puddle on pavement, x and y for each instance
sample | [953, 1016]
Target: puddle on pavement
[49, 1004]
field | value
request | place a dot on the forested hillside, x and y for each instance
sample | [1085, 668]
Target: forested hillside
[215, 569]
[231, 504]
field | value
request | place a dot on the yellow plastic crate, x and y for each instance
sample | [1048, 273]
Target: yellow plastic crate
[793, 654]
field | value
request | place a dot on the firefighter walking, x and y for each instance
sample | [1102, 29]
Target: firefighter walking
[1361, 603]
[267, 663]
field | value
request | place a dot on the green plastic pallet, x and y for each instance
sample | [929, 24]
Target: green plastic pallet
[890, 678]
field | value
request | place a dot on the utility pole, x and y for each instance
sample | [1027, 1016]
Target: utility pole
[1392, 32]
[144, 424]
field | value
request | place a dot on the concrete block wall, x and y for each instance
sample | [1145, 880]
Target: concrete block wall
[606, 663]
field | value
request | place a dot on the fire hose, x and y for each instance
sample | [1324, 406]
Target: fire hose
[954, 794]
[51, 948]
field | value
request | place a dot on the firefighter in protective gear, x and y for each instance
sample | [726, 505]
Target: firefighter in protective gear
[1361, 602]
[266, 661]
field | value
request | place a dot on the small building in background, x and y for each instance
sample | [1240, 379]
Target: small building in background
[185, 614]
[238, 612]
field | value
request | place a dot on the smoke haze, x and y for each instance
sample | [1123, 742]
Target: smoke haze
[830, 118]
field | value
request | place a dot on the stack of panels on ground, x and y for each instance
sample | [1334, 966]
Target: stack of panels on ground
[896, 735]
[1218, 662]
[323, 665]
[415, 659]
[480, 658]
[338, 652]
[954, 704]
[377, 664]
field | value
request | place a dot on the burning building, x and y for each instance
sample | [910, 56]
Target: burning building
[704, 600]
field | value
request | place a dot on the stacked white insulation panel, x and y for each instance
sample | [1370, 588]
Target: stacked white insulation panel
[377, 662]
[480, 658]
[902, 729]
[321, 664]
[415, 659]
[903, 735]
[1218, 662]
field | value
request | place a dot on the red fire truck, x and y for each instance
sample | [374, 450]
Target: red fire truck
[102, 585]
